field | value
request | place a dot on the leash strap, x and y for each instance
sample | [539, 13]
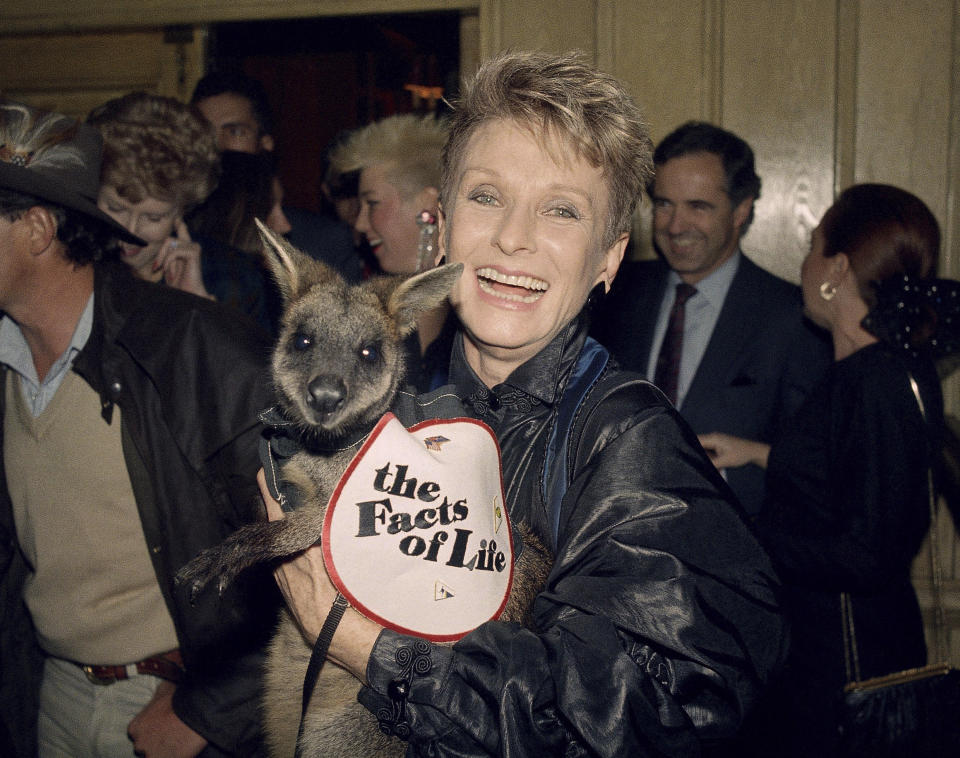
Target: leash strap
[319, 657]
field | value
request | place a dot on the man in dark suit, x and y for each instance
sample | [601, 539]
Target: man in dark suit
[739, 356]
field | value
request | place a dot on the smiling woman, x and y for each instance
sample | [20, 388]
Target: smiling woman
[398, 159]
[530, 233]
[652, 636]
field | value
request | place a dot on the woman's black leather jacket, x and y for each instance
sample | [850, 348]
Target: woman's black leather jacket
[659, 624]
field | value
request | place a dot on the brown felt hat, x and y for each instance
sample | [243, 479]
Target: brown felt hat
[54, 158]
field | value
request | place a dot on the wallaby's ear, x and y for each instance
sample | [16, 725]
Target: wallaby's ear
[293, 270]
[420, 293]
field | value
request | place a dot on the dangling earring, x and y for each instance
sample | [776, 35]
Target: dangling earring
[427, 222]
[827, 291]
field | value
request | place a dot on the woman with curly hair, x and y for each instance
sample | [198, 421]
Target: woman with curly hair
[160, 160]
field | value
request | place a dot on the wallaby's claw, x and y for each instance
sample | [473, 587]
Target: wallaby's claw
[199, 572]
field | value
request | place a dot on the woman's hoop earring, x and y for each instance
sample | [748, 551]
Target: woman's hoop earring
[827, 291]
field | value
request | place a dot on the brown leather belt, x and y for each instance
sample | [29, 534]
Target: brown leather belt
[166, 666]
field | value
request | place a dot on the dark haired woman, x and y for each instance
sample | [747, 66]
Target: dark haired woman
[847, 496]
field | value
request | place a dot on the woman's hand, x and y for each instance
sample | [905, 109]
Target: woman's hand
[727, 451]
[309, 594]
[179, 259]
[303, 580]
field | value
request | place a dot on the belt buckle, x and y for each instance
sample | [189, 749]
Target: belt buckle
[96, 679]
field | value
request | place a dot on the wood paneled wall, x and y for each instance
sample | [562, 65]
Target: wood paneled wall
[828, 92]
[72, 73]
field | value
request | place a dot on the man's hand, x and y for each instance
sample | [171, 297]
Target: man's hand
[727, 451]
[157, 732]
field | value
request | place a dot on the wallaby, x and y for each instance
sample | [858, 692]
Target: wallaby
[337, 368]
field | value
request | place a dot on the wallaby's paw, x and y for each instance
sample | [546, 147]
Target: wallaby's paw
[207, 566]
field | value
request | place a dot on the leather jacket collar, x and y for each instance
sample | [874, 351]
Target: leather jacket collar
[536, 382]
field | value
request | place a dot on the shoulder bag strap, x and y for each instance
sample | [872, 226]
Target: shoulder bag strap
[851, 658]
[936, 571]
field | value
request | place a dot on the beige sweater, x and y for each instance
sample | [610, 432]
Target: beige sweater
[93, 593]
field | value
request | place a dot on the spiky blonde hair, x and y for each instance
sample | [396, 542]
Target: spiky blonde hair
[407, 145]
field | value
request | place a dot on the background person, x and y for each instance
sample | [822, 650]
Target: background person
[224, 223]
[247, 190]
[129, 434]
[744, 358]
[398, 160]
[658, 625]
[159, 162]
[239, 110]
[847, 498]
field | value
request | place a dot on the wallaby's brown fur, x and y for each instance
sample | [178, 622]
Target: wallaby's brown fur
[337, 367]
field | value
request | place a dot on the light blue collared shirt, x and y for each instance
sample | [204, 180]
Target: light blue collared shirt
[700, 318]
[15, 353]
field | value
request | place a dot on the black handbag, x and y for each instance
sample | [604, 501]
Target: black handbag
[915, 712]
[910, 713]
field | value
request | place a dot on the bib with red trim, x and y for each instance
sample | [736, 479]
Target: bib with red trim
[416, 535]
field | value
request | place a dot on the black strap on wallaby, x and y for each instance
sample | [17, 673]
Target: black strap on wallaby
[589, 367]
[318, 658]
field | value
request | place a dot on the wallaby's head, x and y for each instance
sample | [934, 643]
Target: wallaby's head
[339, 358]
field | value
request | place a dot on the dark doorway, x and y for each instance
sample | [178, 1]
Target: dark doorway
[326, 75]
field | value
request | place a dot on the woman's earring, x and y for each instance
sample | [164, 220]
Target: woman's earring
[427, 222]
[827, 291]
[596, 295]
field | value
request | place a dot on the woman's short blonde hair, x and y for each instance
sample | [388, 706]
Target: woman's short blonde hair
[156, 147]
[561, 95]
[407, 145]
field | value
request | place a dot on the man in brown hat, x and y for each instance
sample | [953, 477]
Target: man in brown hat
[129, 438]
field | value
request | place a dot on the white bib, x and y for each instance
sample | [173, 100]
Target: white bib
[416, 535]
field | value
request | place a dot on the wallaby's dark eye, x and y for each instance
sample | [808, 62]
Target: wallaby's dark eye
[370, 353]
[302, 341]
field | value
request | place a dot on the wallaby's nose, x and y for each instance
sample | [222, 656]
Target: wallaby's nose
[325, 394]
